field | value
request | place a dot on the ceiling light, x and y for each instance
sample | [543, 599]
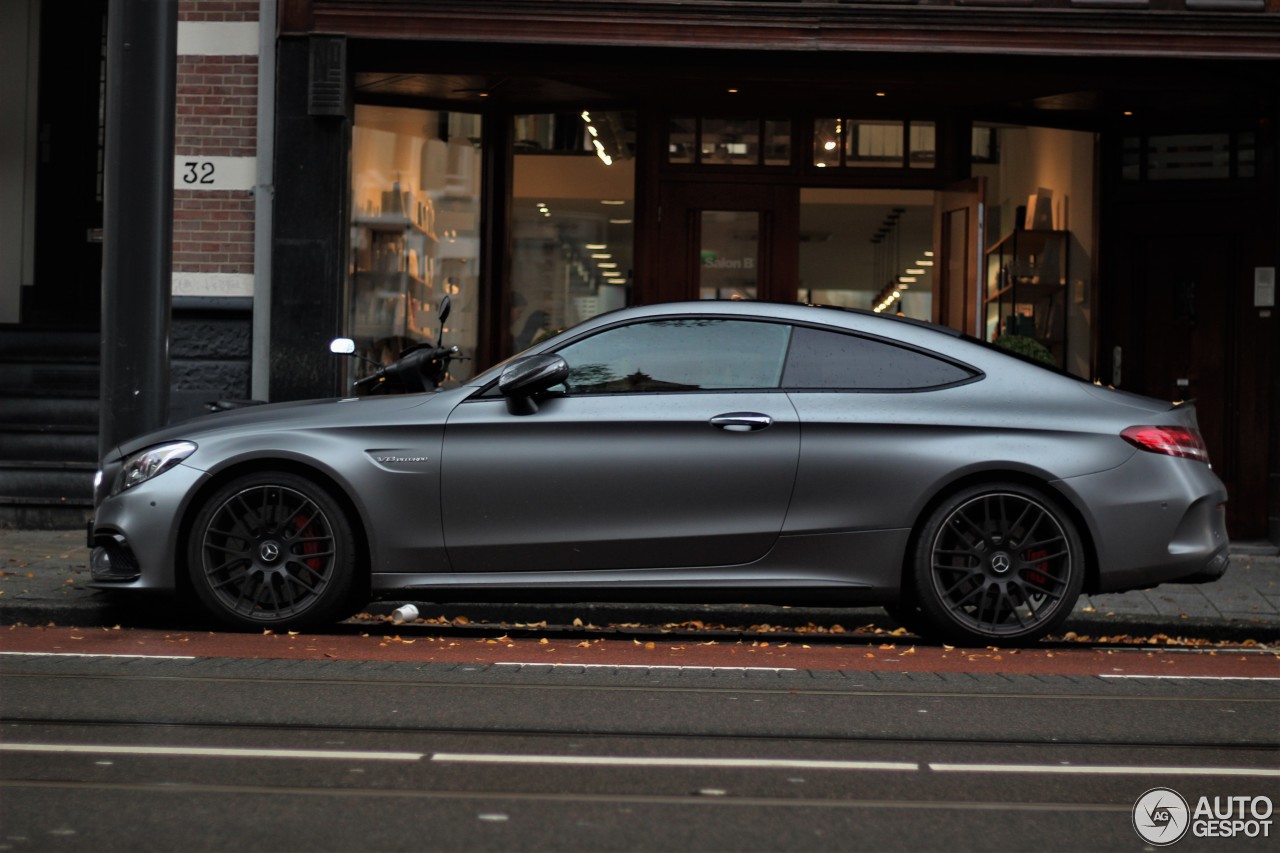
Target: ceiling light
[829, 145]
[915, 272]
[596, 246]
[880, 94]
[619, 221]
[612, 201]
[607, 266]
[927, 255]
[602, 257]
[907, 279]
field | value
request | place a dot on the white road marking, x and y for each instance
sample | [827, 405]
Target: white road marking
[650, 666]
[211, 752]
[625, 761]
[1198, 677]
[87, 655]
[1102, 770]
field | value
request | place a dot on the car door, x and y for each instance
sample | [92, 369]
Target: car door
[671, 446]
[882, 422]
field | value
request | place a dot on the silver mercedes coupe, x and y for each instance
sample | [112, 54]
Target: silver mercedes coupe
[691, 452]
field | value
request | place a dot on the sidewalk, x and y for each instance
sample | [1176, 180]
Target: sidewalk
[44, 576]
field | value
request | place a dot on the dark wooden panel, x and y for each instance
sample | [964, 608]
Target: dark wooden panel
[1048, 28]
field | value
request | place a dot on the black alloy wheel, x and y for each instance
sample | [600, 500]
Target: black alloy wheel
[272, 550]
[998, 563]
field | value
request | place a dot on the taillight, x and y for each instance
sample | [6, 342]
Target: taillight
[1169, 440]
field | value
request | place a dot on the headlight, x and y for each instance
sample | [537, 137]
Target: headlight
[145, 464]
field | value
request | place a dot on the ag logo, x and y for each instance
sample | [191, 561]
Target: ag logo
[1161, 816]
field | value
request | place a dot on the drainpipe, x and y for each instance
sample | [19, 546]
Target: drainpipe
[264, 202]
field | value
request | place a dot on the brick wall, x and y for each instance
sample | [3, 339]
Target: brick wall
[218, 10]
[212, 232]
[216, 116]
[216, 105]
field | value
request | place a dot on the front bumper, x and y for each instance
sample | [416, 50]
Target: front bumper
[134, 535]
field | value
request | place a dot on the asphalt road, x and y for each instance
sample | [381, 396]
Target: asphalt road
[220, 753]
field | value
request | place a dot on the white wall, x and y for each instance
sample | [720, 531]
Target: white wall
[19, 58]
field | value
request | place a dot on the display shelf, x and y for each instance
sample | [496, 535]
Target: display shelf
[1025, 289]
[393, 264]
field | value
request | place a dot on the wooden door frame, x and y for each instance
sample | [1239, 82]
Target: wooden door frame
[678, 232]
[967, 197]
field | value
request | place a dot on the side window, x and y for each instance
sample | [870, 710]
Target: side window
[822, 359]
[678, 355]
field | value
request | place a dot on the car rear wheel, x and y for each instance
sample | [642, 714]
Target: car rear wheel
[273, 549]
[997, 563]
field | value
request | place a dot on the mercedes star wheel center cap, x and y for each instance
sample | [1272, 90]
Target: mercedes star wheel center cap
[269, 552]
[1000, 563]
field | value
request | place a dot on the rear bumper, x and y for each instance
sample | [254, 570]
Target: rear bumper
[1216, 568]
[1155, 519]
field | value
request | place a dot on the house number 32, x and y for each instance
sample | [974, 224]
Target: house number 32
[197, 172]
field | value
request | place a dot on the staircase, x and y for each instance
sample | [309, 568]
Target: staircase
[48, 427]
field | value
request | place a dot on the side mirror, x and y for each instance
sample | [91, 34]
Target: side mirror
[342, 346]
[525, 377]
[445, 305]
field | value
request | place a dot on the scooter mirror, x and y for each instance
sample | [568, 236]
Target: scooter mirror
[445, 304]
[342, 346]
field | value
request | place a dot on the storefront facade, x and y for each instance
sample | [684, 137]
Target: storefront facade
[1096, 177]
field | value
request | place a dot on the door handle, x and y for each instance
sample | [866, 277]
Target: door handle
[741, 421]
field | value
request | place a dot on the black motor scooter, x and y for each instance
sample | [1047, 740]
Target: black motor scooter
[421, 367]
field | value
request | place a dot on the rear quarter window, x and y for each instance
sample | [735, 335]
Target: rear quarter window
[821, 359]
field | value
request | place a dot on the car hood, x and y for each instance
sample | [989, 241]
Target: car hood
[276, 416]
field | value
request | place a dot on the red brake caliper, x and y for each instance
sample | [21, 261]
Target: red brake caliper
[312, 547]
[1035, 576]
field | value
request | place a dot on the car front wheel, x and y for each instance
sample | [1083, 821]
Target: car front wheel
[997, 563]
[272, 550]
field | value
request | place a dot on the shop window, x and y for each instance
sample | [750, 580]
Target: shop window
[745, 141]
[868, 249]
[415, 231]
[1189, 157]
[682, 140]
[922, 145]
[874, 143]
[729, 254]
[984, 144]
[1039, 246]
[730, 141]
[573, 212]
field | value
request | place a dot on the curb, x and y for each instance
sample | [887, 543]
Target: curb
[648, 618]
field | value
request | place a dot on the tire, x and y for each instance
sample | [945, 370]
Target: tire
[273, 550]
[997, 563]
